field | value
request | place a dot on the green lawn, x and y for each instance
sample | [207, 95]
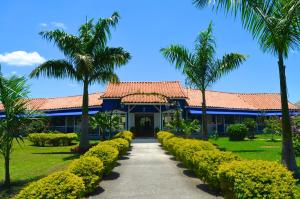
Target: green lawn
[261, 148]
[29, 163]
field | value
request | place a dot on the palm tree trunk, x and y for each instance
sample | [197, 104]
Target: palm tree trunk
[287, 155]
[7, 173]
[204, 117]
[84, 136]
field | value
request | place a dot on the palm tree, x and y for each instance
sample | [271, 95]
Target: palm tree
[13, 95]
[88, 60]
[201, 67]
[276, 26]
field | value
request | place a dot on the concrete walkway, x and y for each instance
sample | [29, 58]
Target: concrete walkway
[148, 172]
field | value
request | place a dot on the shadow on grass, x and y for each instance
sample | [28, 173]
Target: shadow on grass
[50, 146]
[15, 187]
[248, 150]
[73, 155]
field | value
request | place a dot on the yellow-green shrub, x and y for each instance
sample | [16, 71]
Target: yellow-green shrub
[107, 154]
[164, 135]
[90, 169]
[256, 179]
[120, 144]
[186, 149]
[123, 145]
[57, 185]
[53, 139]
[172, 143]
[205, 164]
[127, 135]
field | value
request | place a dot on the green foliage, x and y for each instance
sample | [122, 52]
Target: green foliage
[57, 185]
[37, 125]
[13, 97]
[52, 139]
[127, 135]
[90, 169]
[251, 124]
[106, 153]
[206, 164]
[273, 126]
[237, 132]
[296, 144]
[106, 122]
[256, 179]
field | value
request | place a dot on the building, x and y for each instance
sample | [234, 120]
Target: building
[146, 106]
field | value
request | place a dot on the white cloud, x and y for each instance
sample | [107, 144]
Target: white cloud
[59, 25]
[22, 58]
[43, 25]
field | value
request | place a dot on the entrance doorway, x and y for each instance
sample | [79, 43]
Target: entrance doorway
[144, 124]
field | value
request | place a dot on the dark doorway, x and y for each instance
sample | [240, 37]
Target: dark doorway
[144, 125]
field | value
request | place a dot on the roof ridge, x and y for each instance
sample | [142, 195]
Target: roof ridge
[46, 98]
[125, 82]
[263, 93]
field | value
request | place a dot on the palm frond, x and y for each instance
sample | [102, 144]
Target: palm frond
[178, 55]
[54, 68]
[67, 43]
[101, 32]
[228, 63]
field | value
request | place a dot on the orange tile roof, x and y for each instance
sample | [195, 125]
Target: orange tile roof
[62, 102]
[144, 98]
[169, 89]
[254, 101]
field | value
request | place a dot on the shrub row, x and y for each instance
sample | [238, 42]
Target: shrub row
[227, 172]
[82, 176]
[127, 135]
[52, 139]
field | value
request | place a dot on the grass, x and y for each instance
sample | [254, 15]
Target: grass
[29, 163]
[260, 148]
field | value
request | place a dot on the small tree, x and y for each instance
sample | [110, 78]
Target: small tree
[273, 127]
[105, 121]
[251, 124]
[13, 95]
[188, 126]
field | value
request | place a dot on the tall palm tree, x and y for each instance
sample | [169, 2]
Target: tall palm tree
[13, 95]
[276, 26]
[88, 60]
[201, 67]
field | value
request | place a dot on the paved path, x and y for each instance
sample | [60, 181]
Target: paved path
[148, 172]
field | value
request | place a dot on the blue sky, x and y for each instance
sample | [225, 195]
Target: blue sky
[145, 27]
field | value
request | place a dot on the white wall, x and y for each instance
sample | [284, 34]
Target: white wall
[131, 121]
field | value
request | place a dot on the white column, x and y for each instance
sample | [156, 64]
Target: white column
[160, 115]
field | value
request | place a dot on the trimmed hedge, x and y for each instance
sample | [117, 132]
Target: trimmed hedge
[127, 135]
[163, 136]
[57, 185]
[205, 164]
[82, 176]
[237, 132]
[227, 172]
[90, 169]
[52, 139]
[256, 179]
[106, 153]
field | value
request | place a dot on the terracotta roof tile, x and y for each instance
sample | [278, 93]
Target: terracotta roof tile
[255, 101]
[62, 102]
[170, 89]
[144, 98]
